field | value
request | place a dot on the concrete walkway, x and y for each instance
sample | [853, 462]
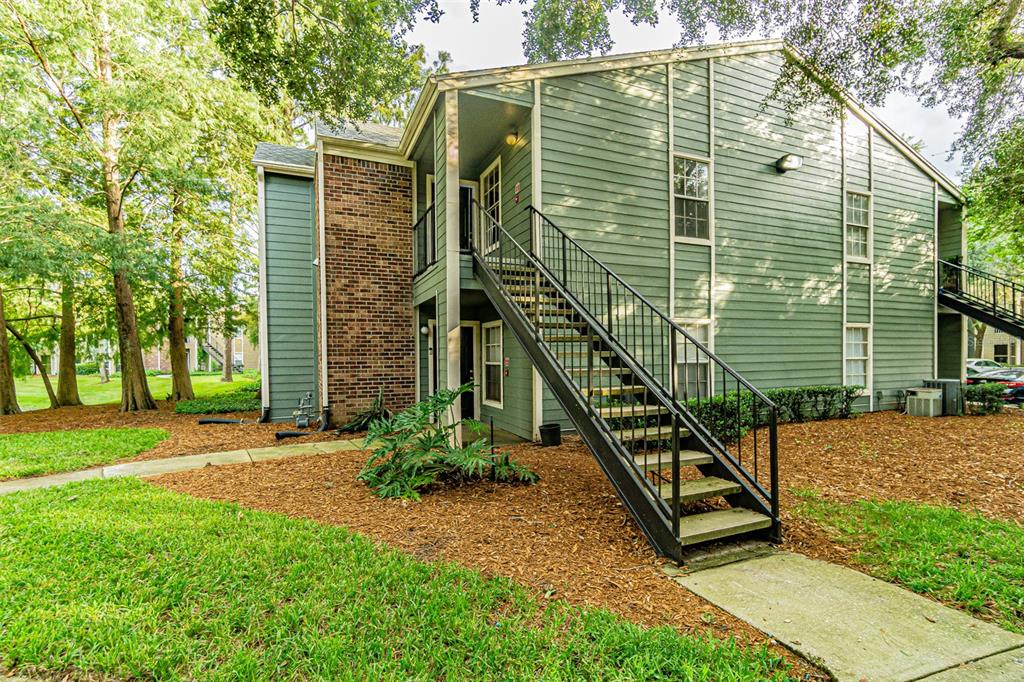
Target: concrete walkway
[168, 465]
[857, 627]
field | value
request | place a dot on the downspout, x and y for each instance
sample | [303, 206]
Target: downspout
[325, 409]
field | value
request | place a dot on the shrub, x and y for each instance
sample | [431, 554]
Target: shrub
[414, 451]
[87, 368]
[245, 398]
[729, 417]
[984, 398]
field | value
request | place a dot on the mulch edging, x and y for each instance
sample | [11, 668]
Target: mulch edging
[567, 537]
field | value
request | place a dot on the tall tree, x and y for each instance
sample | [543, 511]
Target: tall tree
[67, 376]
[8, 393]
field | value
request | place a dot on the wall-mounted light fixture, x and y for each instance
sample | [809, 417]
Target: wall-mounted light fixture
[789, 162]
[512, 138]
[424, 330]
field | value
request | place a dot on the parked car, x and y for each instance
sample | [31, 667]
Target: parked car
[1014, 395]
[982, 365]
[1011, 376]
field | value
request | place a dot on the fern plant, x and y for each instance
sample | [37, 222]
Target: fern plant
[414, 449]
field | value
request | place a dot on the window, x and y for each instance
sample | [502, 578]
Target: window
[490, 200]
[431, 189]
[691, 190]
[693, 363]
[1001, 353]
[857, 356]
[493, 356]
[858, 225]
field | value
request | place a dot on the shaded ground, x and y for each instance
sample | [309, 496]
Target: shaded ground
[186, 436]
[32, 393]
[566, 537]
[964, 462]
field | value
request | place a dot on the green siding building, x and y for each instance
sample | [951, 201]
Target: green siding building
[666, 174]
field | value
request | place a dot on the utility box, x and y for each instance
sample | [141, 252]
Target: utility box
[951, 397]
[924, 402]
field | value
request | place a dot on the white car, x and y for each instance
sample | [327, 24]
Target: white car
[979, 365]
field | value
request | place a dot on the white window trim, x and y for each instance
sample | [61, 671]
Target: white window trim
[868, 362]
[495, 164]
[711, 201]
[497, 404]
[870, 258]
[430, 191]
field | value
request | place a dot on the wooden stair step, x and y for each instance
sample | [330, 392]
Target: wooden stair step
[571, 338]
[659, 461]
[583, 353]
[602, 370]
[724, 523]
[615, 390]
[658, 432]
[700, 489]
[527, 289]
[562, 324]
[633, 410]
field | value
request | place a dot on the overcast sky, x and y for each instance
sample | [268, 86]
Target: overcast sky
[497, 41]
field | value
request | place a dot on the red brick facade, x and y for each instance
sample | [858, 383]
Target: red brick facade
[368, 249]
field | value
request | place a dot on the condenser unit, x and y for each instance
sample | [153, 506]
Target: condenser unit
[924, 402]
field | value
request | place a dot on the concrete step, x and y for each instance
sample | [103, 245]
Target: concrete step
[660, 461]
[634, 410]
[715, 525]
[649, 433]
[700, 489]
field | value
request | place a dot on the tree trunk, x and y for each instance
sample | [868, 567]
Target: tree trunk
[135, 393]
[181, 380]
[979, 339]
[228, 358]
[8, 398]
[67, 379]
[38, 361]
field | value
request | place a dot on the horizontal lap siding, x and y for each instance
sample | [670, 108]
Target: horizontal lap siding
[690, 107]
[779, 236]
[291, 312]
[605, 169]
[904, 273]
[858, 293]
[858, 165]
[515, 93]
[440, 274]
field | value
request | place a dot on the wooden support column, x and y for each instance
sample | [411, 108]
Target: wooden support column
[453, 300]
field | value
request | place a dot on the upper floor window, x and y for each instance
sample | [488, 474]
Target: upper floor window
[691, 190]
[858, 225]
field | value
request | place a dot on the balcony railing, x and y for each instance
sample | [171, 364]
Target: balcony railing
[424, 241]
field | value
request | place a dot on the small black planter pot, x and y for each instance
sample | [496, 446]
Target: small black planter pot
[550, 434]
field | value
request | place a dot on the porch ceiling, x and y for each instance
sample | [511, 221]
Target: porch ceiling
[483, 125]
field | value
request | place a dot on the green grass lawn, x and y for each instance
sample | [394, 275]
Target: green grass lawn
[50, 452]
[32, 393]
[121, 578]
[957, 557]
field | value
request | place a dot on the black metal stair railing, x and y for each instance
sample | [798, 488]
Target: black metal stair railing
[734, 420]
[424, 241]
[992, 294]
[619, 389]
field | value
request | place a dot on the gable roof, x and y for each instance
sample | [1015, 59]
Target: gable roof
[400, 140]
[283, 158]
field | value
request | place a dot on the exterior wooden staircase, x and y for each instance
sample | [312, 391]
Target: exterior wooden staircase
[636, 386]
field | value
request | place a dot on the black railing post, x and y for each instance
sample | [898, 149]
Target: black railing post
[608, 300]
[773, 454]
[565, 279]
[676, 511]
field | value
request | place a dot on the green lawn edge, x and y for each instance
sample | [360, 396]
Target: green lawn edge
[957, 557]
[121, 578]
[52, 452]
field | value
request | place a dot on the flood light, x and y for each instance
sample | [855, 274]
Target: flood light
[789, 162]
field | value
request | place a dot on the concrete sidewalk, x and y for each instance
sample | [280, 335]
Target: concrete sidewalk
[155, 467]
[857, 627]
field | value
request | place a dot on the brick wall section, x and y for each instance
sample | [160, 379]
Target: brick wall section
[368, 249]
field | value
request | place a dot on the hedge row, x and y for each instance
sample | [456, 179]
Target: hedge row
[731, 416]
[242, 399]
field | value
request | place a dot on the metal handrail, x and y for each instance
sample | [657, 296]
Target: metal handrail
[985, 288]
[758, 405]
[424, 239]
[655, 310]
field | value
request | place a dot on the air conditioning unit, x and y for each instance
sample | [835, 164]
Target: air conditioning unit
[951, 400]
[924, 402]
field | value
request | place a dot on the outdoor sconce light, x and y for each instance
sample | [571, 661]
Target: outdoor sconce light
[789, 162]
[424, 330]
[512, 138]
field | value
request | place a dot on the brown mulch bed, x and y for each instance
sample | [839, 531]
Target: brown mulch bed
[973, 463]
[186, 436]
[567, 537]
